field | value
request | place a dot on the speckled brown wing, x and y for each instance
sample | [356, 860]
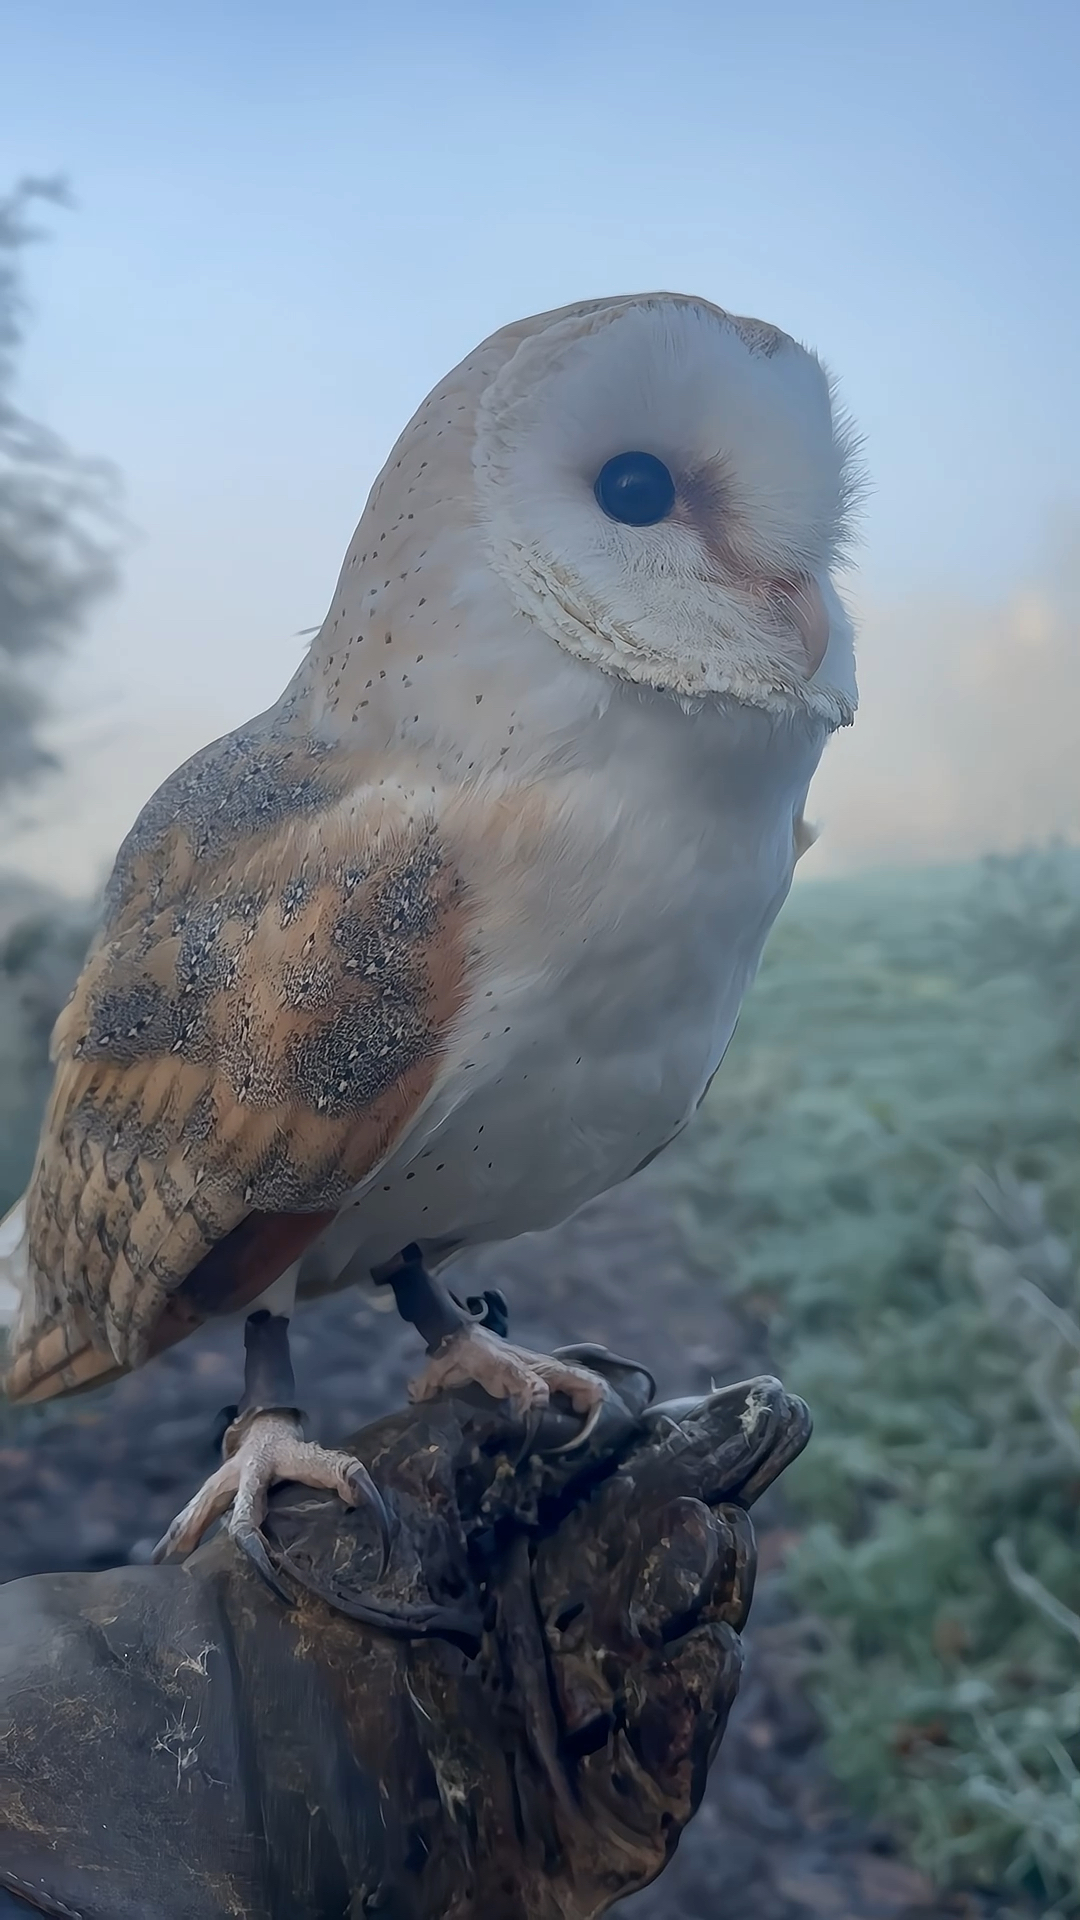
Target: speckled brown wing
[264, 1011]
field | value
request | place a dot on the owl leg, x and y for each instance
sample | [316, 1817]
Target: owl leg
[467, 1347]
[263, 1445]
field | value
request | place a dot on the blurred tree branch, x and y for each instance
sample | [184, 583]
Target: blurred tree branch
[59, 521]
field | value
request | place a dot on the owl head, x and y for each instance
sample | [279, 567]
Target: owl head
[661, 489]
[666, 489]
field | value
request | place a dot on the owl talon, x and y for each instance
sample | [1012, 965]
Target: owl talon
[579, 1439]
[251, 1544]
[263, 1445]
[473, 1356]
[364, 1490]
[265, 1448]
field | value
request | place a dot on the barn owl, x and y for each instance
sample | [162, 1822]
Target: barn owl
[454, 936]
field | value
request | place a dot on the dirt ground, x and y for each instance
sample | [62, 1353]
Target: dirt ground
[95, 1486]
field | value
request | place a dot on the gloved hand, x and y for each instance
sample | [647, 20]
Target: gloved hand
[513, 1716]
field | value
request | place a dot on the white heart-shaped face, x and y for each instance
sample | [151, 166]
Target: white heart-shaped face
[702, 562]
[503, 566]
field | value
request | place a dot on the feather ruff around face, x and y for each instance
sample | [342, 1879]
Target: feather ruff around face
[766, 477]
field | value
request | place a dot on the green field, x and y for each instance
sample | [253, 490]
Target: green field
[888, 1168]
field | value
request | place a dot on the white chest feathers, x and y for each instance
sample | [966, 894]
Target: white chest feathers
[610, 966]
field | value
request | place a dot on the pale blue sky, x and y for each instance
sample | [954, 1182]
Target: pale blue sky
[293, 219]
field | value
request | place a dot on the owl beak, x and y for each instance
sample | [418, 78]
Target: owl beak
[805, 607]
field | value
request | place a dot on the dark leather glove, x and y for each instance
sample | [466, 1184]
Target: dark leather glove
[513, 1717]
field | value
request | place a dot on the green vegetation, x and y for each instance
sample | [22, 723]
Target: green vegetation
[887, 1168]
[59, 525]
[40, 956]
[60, 541]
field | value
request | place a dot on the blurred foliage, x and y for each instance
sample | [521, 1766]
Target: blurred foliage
[58, 519]
[39, 960]
[887, 1168]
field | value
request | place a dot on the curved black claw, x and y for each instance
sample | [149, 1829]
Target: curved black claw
[252, 1545]
[425, 1620]
[365, 1490]
[630, 1387]
[633, 1382]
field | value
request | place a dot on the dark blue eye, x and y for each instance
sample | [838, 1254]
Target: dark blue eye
[635, 488]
